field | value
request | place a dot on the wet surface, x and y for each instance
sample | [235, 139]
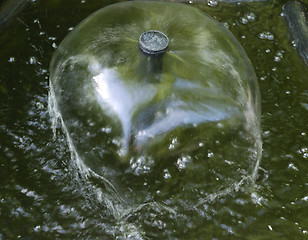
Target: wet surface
[42, 197]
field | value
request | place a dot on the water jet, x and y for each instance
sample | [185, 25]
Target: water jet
[150, 93]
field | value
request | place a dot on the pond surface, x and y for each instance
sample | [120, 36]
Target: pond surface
[41, 199]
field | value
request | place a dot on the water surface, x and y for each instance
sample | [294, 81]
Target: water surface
[41, 199]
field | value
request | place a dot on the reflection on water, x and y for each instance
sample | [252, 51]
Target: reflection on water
[41, 194]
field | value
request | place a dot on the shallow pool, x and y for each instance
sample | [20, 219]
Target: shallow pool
[42, 199]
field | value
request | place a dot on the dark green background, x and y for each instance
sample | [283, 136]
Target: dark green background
[39, 199]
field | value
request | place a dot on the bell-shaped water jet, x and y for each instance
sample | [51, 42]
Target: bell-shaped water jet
[160, 102]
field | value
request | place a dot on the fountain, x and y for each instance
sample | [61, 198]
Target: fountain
[160, 105]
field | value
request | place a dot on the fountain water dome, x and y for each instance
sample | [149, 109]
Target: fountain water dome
[159, 102]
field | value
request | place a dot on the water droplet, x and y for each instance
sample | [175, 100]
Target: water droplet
[212, 3]
[304, 152]
[279, 56]
[183, 161]
[106, 130]
[32, 60]
[294, 44]
[37, 228]
[251, 17]
[244, 20]
[292, 166]
[167, 174]
[174, 143]
[228, 162]
[39, 105]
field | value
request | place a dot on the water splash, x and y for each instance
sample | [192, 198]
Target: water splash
[111, 199]
[120, 208]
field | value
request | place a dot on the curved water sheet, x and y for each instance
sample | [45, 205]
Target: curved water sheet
[156, 137]
[296, 16]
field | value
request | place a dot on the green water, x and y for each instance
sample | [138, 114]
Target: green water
[40, 199]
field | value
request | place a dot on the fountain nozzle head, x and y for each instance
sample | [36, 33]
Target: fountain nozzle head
[153, 42]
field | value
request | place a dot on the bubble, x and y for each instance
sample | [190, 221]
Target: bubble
[249, 17]
[266, 35]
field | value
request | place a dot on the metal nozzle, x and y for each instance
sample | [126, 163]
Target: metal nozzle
[153, 42]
